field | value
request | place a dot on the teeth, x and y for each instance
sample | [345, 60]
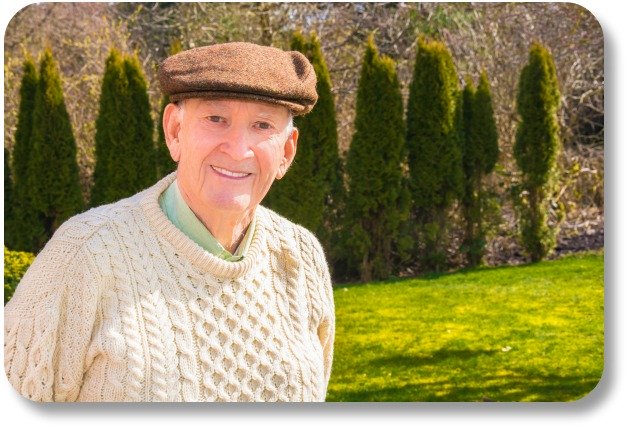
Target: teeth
[230, 173]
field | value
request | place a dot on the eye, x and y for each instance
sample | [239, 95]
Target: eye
[263, 125]
[216, 119]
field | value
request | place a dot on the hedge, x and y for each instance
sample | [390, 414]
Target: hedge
[15, 265]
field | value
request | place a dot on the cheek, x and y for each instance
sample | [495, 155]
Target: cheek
[188, 165]
[196, 150]
[269, 158]
[191, 167]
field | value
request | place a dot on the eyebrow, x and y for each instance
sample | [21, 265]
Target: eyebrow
[213, 105]
[272, 114]
[265, 115]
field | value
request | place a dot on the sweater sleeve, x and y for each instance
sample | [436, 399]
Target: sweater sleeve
[325, 296]
[326, 331]
[48, 324]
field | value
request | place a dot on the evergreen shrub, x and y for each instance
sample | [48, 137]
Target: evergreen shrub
[536, 149]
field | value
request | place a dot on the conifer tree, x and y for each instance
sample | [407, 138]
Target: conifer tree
[23, 228]
[311, 191]
[434, 157]
[54, 175]
[138, 156]
[110, 124]
[8, 198]
[486, 128]
[125, 159]
[163, 160]
[377, 201]
[536, 148]
[479, 154]
[471, 157]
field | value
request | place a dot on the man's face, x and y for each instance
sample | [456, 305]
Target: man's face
[229, 152]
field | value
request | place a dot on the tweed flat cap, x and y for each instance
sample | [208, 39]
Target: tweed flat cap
[243, 71]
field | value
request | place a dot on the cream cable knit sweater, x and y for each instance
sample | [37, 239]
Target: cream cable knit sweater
[122, 306]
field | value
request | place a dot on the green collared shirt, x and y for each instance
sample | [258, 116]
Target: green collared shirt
[178, 212]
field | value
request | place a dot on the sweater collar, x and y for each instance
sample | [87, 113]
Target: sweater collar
[190, 250]
[180, 214]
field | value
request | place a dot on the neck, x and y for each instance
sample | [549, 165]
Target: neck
[227, 227]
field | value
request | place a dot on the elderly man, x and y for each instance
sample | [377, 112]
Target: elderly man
[189, 290]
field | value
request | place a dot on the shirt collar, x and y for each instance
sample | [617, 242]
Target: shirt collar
[179, 213]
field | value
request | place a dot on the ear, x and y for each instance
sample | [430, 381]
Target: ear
[172, 125]
[289, 152]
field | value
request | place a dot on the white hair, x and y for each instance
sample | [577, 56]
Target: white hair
[290, 126]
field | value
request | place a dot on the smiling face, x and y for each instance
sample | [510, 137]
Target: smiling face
[229, 152]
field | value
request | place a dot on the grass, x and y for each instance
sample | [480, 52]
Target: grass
[519, 333]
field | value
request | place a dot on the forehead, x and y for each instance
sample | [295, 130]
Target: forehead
[238, 106]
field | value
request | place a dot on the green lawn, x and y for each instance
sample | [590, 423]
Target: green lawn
[523, 333]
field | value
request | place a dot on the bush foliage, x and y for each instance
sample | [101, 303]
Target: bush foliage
[8, 192]
[377, 201]
[125, 153]
[399, 186]
[53, 177]
[311, 192]
[15, 265]
[479, 151]
[536, 151]
[434, 157]
[23, 228]
[163, 160]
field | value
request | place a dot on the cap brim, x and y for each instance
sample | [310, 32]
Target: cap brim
[295, 108]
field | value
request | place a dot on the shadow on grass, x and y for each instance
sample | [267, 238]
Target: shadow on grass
[406, 362]
[511, 388]
[464, 385]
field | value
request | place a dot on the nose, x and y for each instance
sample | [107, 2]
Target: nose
[236, 144]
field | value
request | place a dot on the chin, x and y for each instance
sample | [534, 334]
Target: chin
[238, 204]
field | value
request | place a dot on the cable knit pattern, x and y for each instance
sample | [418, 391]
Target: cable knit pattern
[121, 306]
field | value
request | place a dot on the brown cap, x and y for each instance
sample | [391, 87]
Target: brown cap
[243, 71]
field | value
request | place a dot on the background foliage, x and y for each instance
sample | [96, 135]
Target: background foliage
[125, 154]
[434, 149]
[316, 170]
[15, 265]
[536, 149]
[377, 200]
[491, 36]
[479, 151]
[27, 232]
[53, 176]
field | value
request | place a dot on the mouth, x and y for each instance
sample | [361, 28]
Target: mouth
[229, 173]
